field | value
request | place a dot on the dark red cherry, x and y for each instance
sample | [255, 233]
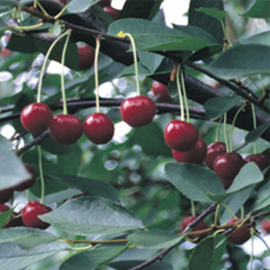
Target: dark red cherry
[4, 208]
[160, 91]
[180, 135]
[36, 117]
[86, 56]
[66, 129]
[138, 111]
[112, 12]
[30, 215]
[241, 235]
[261, 160]
[104, 3]
[226, 183]
[228, 165]
[28, 182]
[5, 195]
[213, 150]
[202, 225]
[265, 224]
[98, 128]
[195, 155]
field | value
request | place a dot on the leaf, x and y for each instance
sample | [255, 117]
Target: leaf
[89, 186]
[4, 217]
[124, 265]
[220, 249]
[216, 107]
[249, 175]
[194, 181]
[93, 259]
[76, 6]
[9, 3]
[241, 60]
[260, 9]
[255, 134]
[261, 38]
[154, 239]
[23, 44]
[91, 215]
[263, 199]
[213, 12]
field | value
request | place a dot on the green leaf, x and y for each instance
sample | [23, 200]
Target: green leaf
[241, 60]
[124, 265]
[213, 12]
[249, 175]
[4, 217]
[91, 215]
[89, 186]
[261, 38]
[76, 6]
[23, 44]
[216, 107]
[55, 29]
[9, 3]
[93, 259]
[194, 181]
[260, 9]
[154, 239]
[263, 200]
[220, 249]
[255, 134]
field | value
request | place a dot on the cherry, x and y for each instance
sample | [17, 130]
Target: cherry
[4, 208]
[98, 128]
[240, 235]
[30, 215]
[265, 224]
[104, 3]
[160, 91]
[86, 56]
[228, 165]
[261, 160]
[66, 129]
[138, 111]
[226, 183]
[15, 221]
[213, 150]
[63, 1]
[28, 182]
[180, 135]
[202, 225]
[195, 155]
[5, 195]
[5, 52]
[36, 117]
[112, 12]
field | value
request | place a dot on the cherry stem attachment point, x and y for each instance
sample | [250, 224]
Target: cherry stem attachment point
[96, 72]
[42, 181]
[182, 113]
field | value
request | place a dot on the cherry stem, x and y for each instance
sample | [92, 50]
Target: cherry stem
[44, 66]
[65, 110]
[254, 126]
[96, 72]
[218, 130]
[216, 215]
[42, 182]
[183, 87]
[193, 211]
[229, 210]
[182, 113]
[225, 132]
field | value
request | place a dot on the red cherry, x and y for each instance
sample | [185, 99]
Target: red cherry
[138, 111]
[104, 3]
[63, 1]
[36, 117]
[30, 215]
[241, 235]
[86, 56]
[228, 165]
[112, 12]
[5, 52]
[66, 129]
[4, 208]
[213, 150]
[202, 225]
[195, 155]
[28, 182]
[226, 183]
[98, 128]
[265, 224]
[5, 195]
[261, 160]
[180, 135]
[160, 91]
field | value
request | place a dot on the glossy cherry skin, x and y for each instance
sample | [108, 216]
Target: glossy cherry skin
[180, 135]
[213, 150]
[30, 215]
[138, 111]
[112, 12]
[86, 56]
[228, 165]
[36, 117]
[66, 129]
[4, 208]
[5, 195]
[261, 160]
[195, 155]
[241, 235]
[98, 128]
[28, 182]
[265, 224]
[202, 225]
[160, 91]
[104, 3]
